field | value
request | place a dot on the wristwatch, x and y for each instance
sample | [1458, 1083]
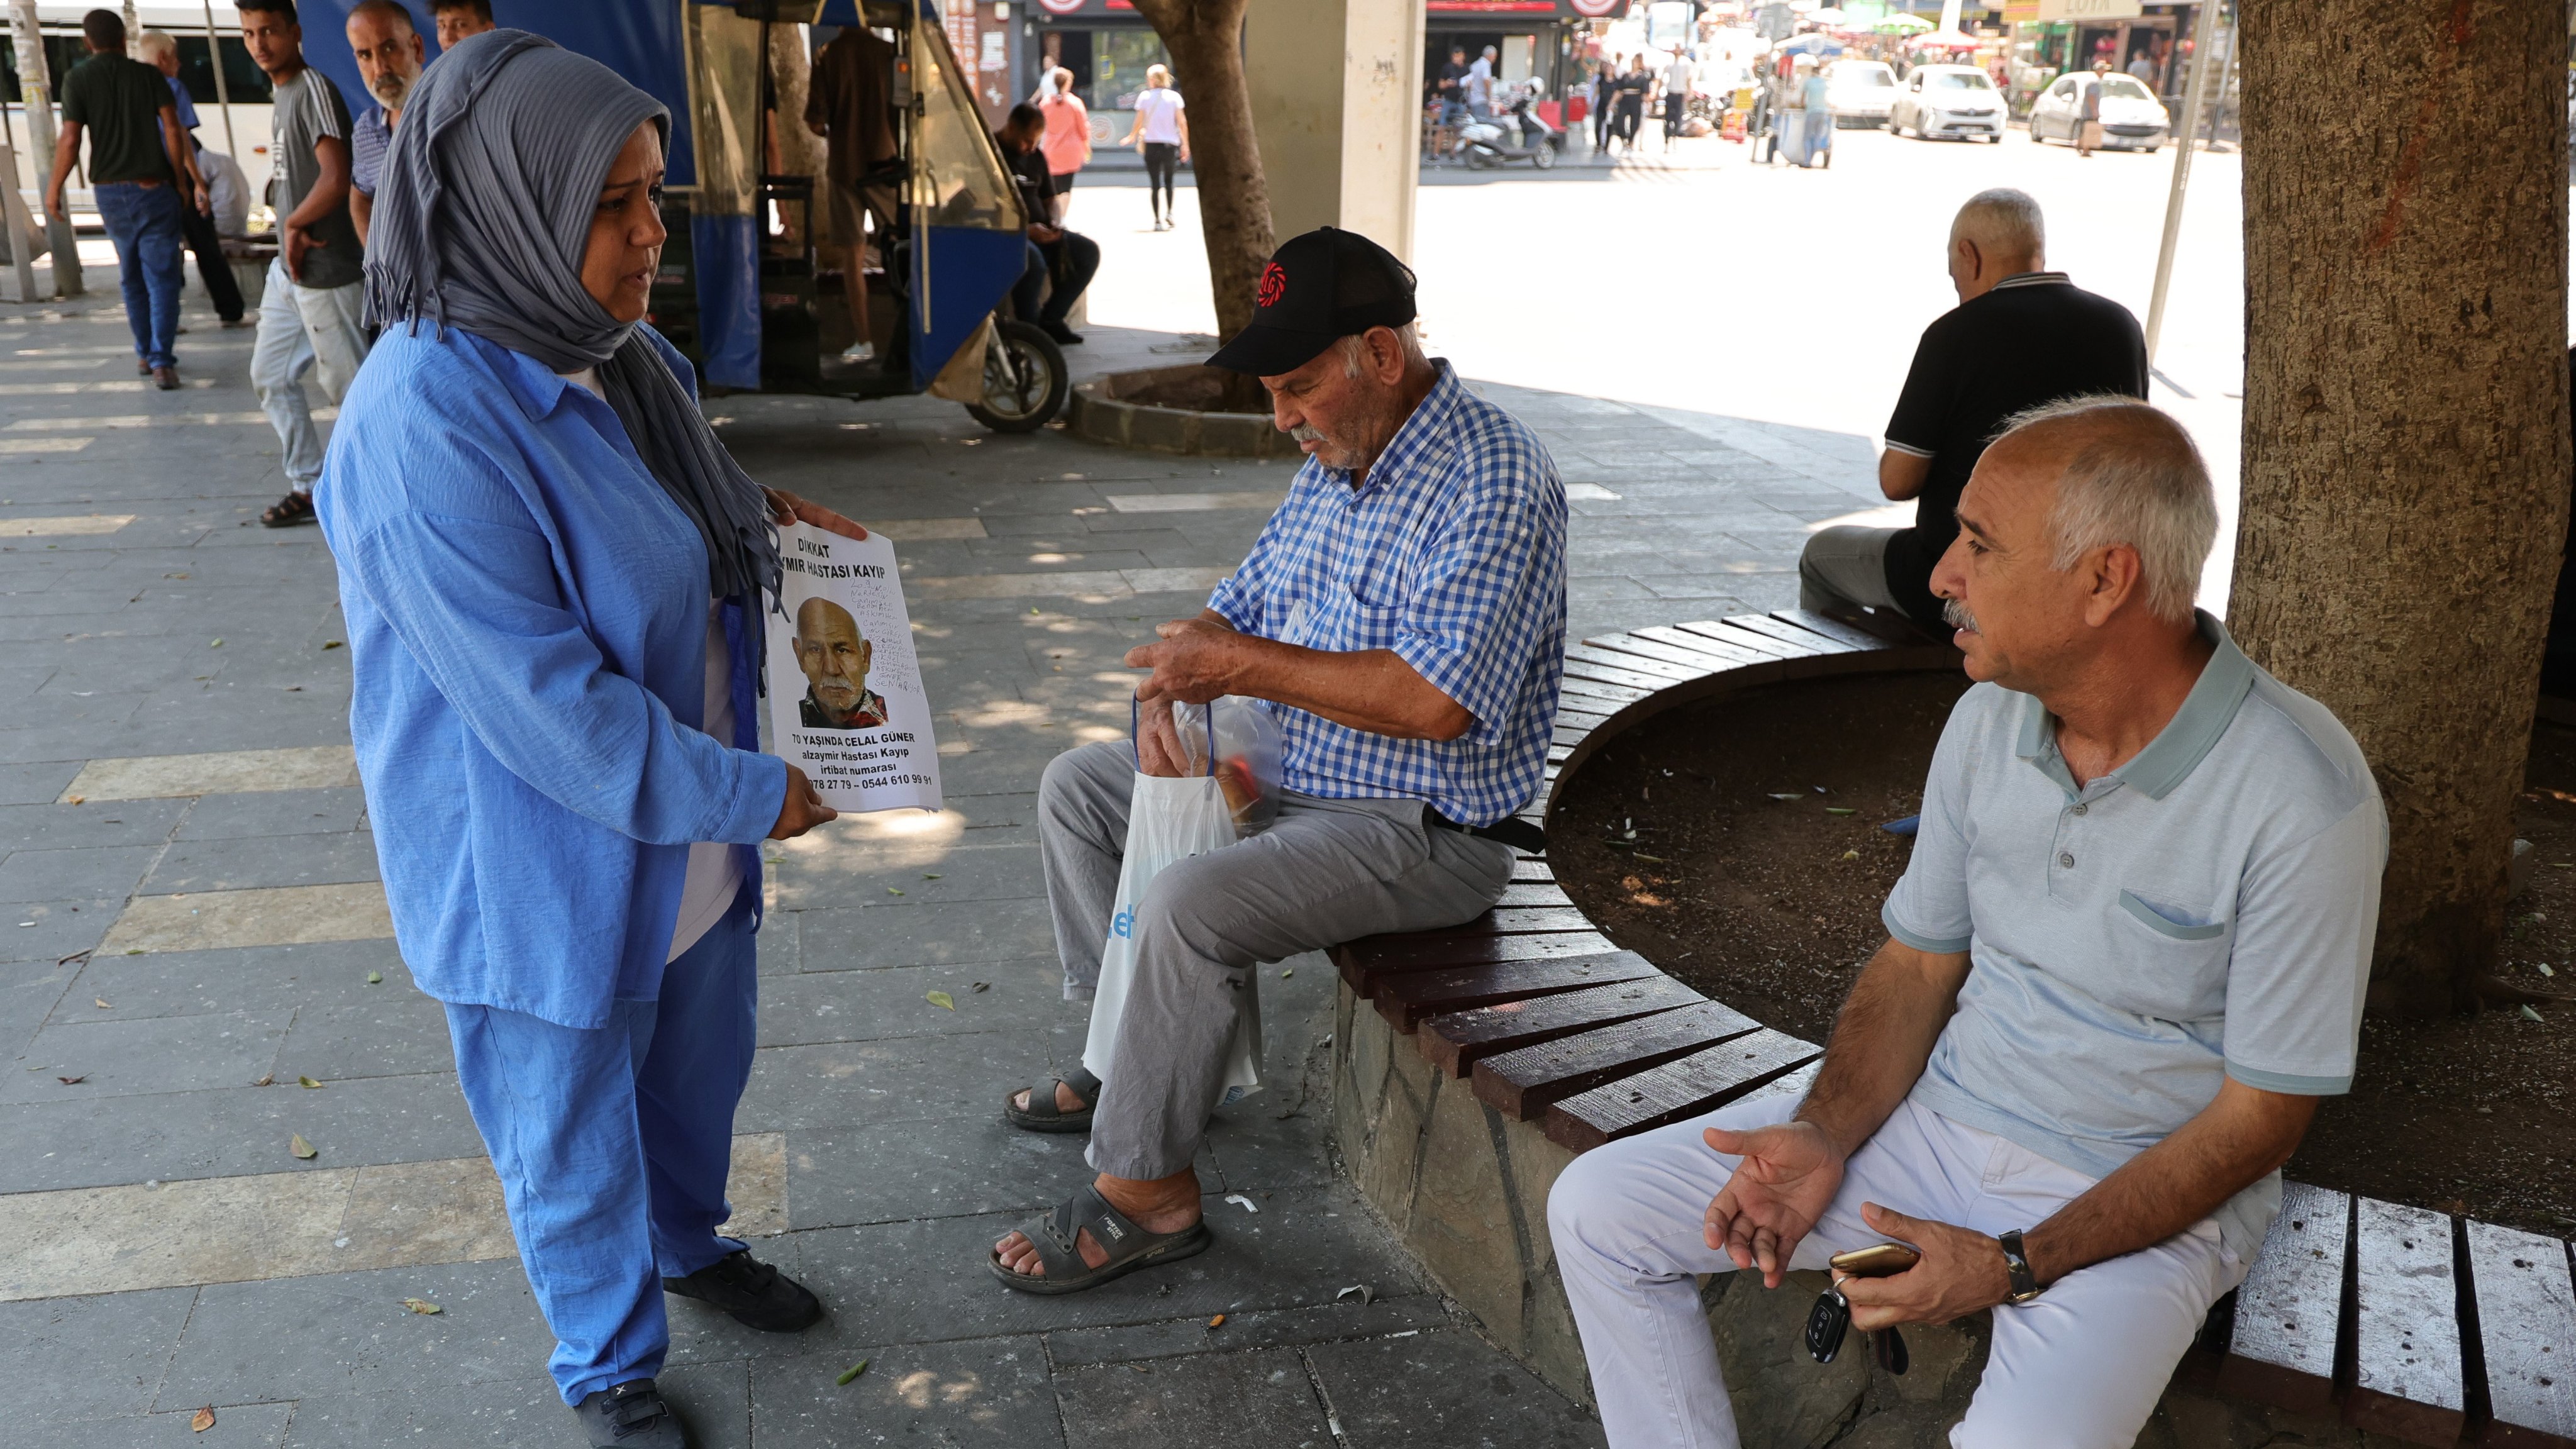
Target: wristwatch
[2025, 1284]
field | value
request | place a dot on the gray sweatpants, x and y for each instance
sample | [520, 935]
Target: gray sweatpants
[1843, 567]
[1328, 871]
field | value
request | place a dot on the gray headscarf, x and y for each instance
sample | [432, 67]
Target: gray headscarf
[480, 223]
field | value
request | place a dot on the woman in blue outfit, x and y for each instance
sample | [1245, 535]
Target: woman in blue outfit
[555, 578]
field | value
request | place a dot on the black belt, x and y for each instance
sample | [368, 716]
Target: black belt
[1511, 830]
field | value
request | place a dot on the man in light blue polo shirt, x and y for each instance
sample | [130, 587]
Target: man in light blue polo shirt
[2127, 959]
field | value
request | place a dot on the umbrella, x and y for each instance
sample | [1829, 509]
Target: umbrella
[1812, 44]
[1944, 40]
[1830, 18]
[1901, 23]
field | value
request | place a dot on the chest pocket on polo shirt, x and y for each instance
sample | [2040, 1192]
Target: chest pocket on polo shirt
[2171, 922]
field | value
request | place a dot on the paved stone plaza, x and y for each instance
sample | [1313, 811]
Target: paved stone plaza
[194, 926]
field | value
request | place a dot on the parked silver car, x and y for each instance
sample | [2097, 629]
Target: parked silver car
[1860, 92]
[2132, 118]
[1956, 101]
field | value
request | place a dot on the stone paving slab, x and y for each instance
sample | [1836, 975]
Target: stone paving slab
[215, 885]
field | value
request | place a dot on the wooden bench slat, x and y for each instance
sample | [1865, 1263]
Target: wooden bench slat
[1589, 711]
[1406, 998]
[2406, 1328]
[1724, 631]
[1512, 920]
[1701, 661]
[2291, 1305]
[1454, 1040]
[2527, 1310]
[1522, 1082]
[1676, 1090]
[1832, 628]
[1367, 964]
[1614, 696]
[1892, 626]
[1544, 891]
[1700, 643]
[1631, 668]
[1532, 870]
[1569, 733]
[1807, 639]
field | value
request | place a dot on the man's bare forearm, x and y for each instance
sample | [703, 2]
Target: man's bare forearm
[330, 188]
[2242, 1134]
[1882, 1040]
[1368, 689]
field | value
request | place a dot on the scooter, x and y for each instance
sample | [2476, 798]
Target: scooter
[1481, 141]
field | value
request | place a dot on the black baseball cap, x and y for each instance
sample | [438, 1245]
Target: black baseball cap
[1318, 288]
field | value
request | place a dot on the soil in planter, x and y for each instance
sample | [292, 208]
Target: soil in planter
[1208, 390]
[1771, 905]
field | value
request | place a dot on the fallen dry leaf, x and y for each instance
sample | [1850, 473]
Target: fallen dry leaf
[981, 986]
[73, 1081]
[941, 999]
[76, 799]
[853, 1371]
[202, 1420]
[267, 1081]
[306, 1082]
[1646, 898]
[1631, 883]
[375, 978]
[422, 1305]
[101, 1003]
[1217, 1322]
[301, 1148]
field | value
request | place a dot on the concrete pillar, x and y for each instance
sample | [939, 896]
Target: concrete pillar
[1339, 124]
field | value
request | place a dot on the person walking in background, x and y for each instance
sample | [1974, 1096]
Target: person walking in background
[1631, 116]
[1163, 135]
[1677, 94]
[1060, 262]
[309, 314]
[389, 56]
[2020, 338]
[555, 579]
[1479, 85]
[1816, 95]
[1605, 92]
[139, 173]
[1453, 87]
[196, 218]
[459, 20]
[2088, 112]
[1068, 140]
[851, 106]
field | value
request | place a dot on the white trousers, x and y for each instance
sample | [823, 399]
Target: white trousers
[2081, 1367]
[304, 329]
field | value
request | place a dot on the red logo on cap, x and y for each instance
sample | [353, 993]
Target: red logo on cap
[1274, 285]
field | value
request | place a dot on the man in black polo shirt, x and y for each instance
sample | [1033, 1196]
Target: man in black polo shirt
[2019, 337]
[1060, 262]
[140, 177]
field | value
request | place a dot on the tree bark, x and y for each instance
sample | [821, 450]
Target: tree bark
[2406, 427]
[1205, 38]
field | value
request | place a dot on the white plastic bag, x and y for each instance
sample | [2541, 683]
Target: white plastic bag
[1170, 820]
[1246, 744]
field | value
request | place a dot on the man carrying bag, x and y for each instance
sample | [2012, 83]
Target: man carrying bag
[1403, 617]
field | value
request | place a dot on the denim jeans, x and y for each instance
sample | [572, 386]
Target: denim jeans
[143, 221]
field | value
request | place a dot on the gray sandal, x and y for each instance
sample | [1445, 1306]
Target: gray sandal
[1042, 1114]
[1130, 1247]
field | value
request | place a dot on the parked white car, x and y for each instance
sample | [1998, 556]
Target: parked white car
[1955, 101]
[2132, 117]
[1859, 92]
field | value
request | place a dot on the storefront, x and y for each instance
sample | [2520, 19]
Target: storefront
[1106, 45]
[2051, 37]
[1534, 40]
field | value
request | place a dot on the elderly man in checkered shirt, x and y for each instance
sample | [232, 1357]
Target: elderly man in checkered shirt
[1403, 613]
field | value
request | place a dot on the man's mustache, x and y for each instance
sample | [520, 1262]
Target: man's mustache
[1956, 615]
[391, 87]
[1307, 433]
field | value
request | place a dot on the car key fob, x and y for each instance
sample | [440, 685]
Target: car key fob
[1888, 1347]
[1827, 1322]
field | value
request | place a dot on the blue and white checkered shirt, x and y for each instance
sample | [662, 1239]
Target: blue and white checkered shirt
[1453, 556]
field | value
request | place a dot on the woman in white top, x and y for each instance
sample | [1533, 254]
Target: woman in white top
[1163, 135]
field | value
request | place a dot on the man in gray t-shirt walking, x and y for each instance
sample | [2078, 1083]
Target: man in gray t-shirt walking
[310, 310]
[2126, 962]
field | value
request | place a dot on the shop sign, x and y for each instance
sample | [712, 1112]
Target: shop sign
[1492, 7]
[1595, 9]
[1061, 7]
[2089, 10]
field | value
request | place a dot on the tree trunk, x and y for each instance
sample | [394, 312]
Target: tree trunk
[1205, 38]
[2406, 426]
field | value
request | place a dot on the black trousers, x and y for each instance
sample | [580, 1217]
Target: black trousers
[199, 229]
[1676, 111]
[1056, 273]
[1162, 163]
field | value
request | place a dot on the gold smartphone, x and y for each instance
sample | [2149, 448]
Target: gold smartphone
[1881, 1261]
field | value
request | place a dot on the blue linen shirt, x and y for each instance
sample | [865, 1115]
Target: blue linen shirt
[187, 107]
[369, 135]
[2204, 911]
[527, 615]
[1453, 556]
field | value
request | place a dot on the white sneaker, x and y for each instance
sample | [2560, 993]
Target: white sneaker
[859, 352]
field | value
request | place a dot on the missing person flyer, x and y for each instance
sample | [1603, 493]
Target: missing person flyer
[845, 698]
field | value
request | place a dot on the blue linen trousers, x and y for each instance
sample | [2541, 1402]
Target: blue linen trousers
[613, 1144]
[143, 222]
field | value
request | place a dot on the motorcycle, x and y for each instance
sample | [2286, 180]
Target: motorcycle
[1481, 141]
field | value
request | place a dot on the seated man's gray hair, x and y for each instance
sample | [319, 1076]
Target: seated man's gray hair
[2003, 221]
[2133, 476]
[151, 45]
[1355, 348]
